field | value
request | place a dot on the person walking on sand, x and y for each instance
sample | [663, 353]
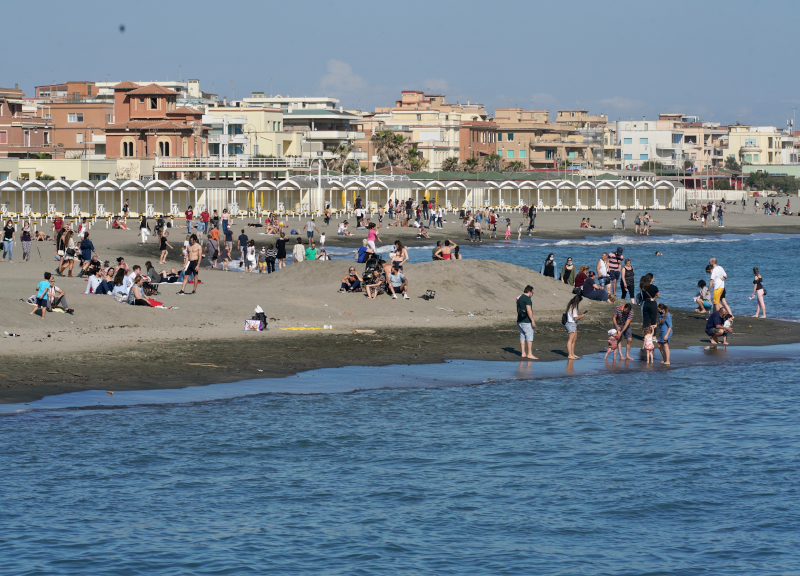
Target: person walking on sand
[309, 229]
[163, 247]
[531, 219]
[280, 246]
[571, 325]
[9, 233]
[194, 253]
[758, 290]
[623, 316]
[373, 236]
[525, 322]
[664, 332]
[41, 294]
[622, 219]
[298, 251]
[189, 215]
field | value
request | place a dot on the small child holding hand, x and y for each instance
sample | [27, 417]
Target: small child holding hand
[648, 343]
[728, 325]
[613, 346]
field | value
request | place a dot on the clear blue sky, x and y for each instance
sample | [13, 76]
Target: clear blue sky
[721, 60]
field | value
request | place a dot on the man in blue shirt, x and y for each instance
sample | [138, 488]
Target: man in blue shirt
[243, 239]
[41, 294]
[715, 326]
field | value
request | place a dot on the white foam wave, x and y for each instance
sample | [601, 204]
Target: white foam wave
[634, 241]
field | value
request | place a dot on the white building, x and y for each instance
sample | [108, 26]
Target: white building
[643, 140]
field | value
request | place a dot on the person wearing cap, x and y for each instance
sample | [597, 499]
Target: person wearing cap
[613, 345]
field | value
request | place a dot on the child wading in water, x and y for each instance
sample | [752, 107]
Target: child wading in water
[613, 345]
[519, 232]
[164, 246]
[648, 343]
[508, 229]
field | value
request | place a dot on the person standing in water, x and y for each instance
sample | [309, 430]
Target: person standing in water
[571, 325]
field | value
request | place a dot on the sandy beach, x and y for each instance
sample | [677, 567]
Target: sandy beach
[115, 347]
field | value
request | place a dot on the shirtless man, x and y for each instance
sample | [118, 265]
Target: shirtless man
[444, 252]
[195, 252]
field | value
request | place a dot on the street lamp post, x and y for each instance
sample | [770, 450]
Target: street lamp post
[84, 136]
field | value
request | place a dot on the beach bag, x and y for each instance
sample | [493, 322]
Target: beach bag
[576, 290]
[121, 297]
[253, 325]
[564, 319]
[639, 299]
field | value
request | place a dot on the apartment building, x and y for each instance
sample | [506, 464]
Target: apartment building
[80, 126]
[259, 131]
[416, 100]
[23, 134]
[581, 119]
[319, 125]
[67, 91]
[149, 124]
[756, 145]
[526, 136]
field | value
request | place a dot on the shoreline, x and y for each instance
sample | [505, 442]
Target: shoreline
[176, 364]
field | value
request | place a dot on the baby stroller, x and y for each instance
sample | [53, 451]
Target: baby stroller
[373, 267]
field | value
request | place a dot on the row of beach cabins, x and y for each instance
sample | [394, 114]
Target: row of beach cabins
[45, 200]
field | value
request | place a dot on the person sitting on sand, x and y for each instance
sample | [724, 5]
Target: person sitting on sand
[397, 283]
[583, 222]
[378, 286]
[351, 282]
[118, 224]
[422, 233]
[592, 291]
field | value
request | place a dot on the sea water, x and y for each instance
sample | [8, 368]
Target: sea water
[676, 273]
[457, 468]
[693, 470]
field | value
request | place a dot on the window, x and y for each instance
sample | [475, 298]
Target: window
[755, 157]
[419, 116]
[510, 136]
[523, 153]
[628, 156]
[79, 137]
[46, 137]
[4, 176]
[572, 155]
[163, 148]
[750, 142]
[48, 116]
[141, 100]
[127, 149]
[643, 156]
[153, 103]
[75, 117]
[499, 136]
[627, 141]
[186, 147]
[550, 154]
[509, 153]
[643, 141]
[3, 137]
[109, 118]
[676, 138]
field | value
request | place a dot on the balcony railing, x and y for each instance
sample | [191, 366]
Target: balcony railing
[232, 162]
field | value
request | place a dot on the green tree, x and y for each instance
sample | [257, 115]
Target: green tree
[515, 166]
[45, 177]
[732, 164]
[688, 163]
[491, 162]
[472, 165]
[652, 166]
[450, 164]
[414, 160]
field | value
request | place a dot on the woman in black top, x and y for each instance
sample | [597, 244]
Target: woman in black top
[758, 290]
[649, 305]
[26, 242]
[549, 267]
[8, 241]
[280, 246]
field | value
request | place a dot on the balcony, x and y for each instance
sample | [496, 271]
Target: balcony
[668, 147]
[211, 163]
[333, 135]
[328, 155]
[750, 149]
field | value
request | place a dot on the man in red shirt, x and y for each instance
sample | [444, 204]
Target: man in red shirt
[204, 216]
[189, 216]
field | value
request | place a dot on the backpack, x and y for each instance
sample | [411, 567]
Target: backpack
[121, 297]
[639, 299]
[564, 318]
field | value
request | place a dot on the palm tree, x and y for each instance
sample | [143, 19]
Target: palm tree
[515, 166]
[414, 160]
[450, 164]
[383, 142]
[490, 161]
[472, 164]
[340, 155]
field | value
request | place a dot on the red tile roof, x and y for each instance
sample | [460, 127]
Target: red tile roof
[153, 89]
[184, 110]
[125, 85]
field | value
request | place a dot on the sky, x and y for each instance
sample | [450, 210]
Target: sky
[724, 61]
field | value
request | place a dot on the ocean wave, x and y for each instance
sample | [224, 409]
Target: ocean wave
[637, 241]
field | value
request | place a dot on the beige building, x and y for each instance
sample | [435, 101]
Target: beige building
[754, 145]
[22, 169]
[537, 143]
[260, 129]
